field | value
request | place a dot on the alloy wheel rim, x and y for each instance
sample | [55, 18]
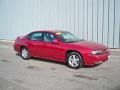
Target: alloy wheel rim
[74, 60]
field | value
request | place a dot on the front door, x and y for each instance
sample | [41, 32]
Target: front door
[53, 50]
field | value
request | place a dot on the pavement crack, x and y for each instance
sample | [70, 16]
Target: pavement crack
[85, 77]
[6, 61]
[53, 69]
[34, 68]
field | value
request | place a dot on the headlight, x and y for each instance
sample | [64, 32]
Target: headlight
[97, 52]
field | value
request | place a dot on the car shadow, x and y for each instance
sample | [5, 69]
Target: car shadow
[45, 60]
[57, 62]
[91, 66]
[17, 54]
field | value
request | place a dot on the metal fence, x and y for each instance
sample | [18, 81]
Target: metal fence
[96, 20]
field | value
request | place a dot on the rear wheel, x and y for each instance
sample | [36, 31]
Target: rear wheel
[25, 53]
[74, 60]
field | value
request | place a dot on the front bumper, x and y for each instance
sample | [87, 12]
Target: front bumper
[96, 59]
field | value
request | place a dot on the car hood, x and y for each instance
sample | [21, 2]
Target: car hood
[90, 45]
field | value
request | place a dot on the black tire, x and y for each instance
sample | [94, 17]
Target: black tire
[70, 62]
[23, 50]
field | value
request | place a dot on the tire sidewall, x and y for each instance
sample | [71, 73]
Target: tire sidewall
[80, 60]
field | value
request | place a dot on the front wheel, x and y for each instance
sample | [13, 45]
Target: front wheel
[25, 53]
[74, 60]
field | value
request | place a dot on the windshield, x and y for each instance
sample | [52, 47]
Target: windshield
[67, 37]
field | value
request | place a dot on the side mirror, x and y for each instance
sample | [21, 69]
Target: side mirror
[55, 41]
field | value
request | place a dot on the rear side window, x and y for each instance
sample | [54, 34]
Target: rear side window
[35, 36]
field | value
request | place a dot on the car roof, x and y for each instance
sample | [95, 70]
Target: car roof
[51, 31]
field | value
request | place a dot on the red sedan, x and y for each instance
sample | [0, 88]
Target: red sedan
[61, 46]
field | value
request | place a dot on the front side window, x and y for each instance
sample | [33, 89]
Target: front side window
[36, 36]
[67, 37]
[48, 37]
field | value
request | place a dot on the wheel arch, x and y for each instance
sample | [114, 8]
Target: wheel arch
[23, 46]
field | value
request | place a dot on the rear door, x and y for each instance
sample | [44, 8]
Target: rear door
[35, 44]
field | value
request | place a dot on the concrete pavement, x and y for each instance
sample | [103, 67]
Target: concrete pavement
[38, 74]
